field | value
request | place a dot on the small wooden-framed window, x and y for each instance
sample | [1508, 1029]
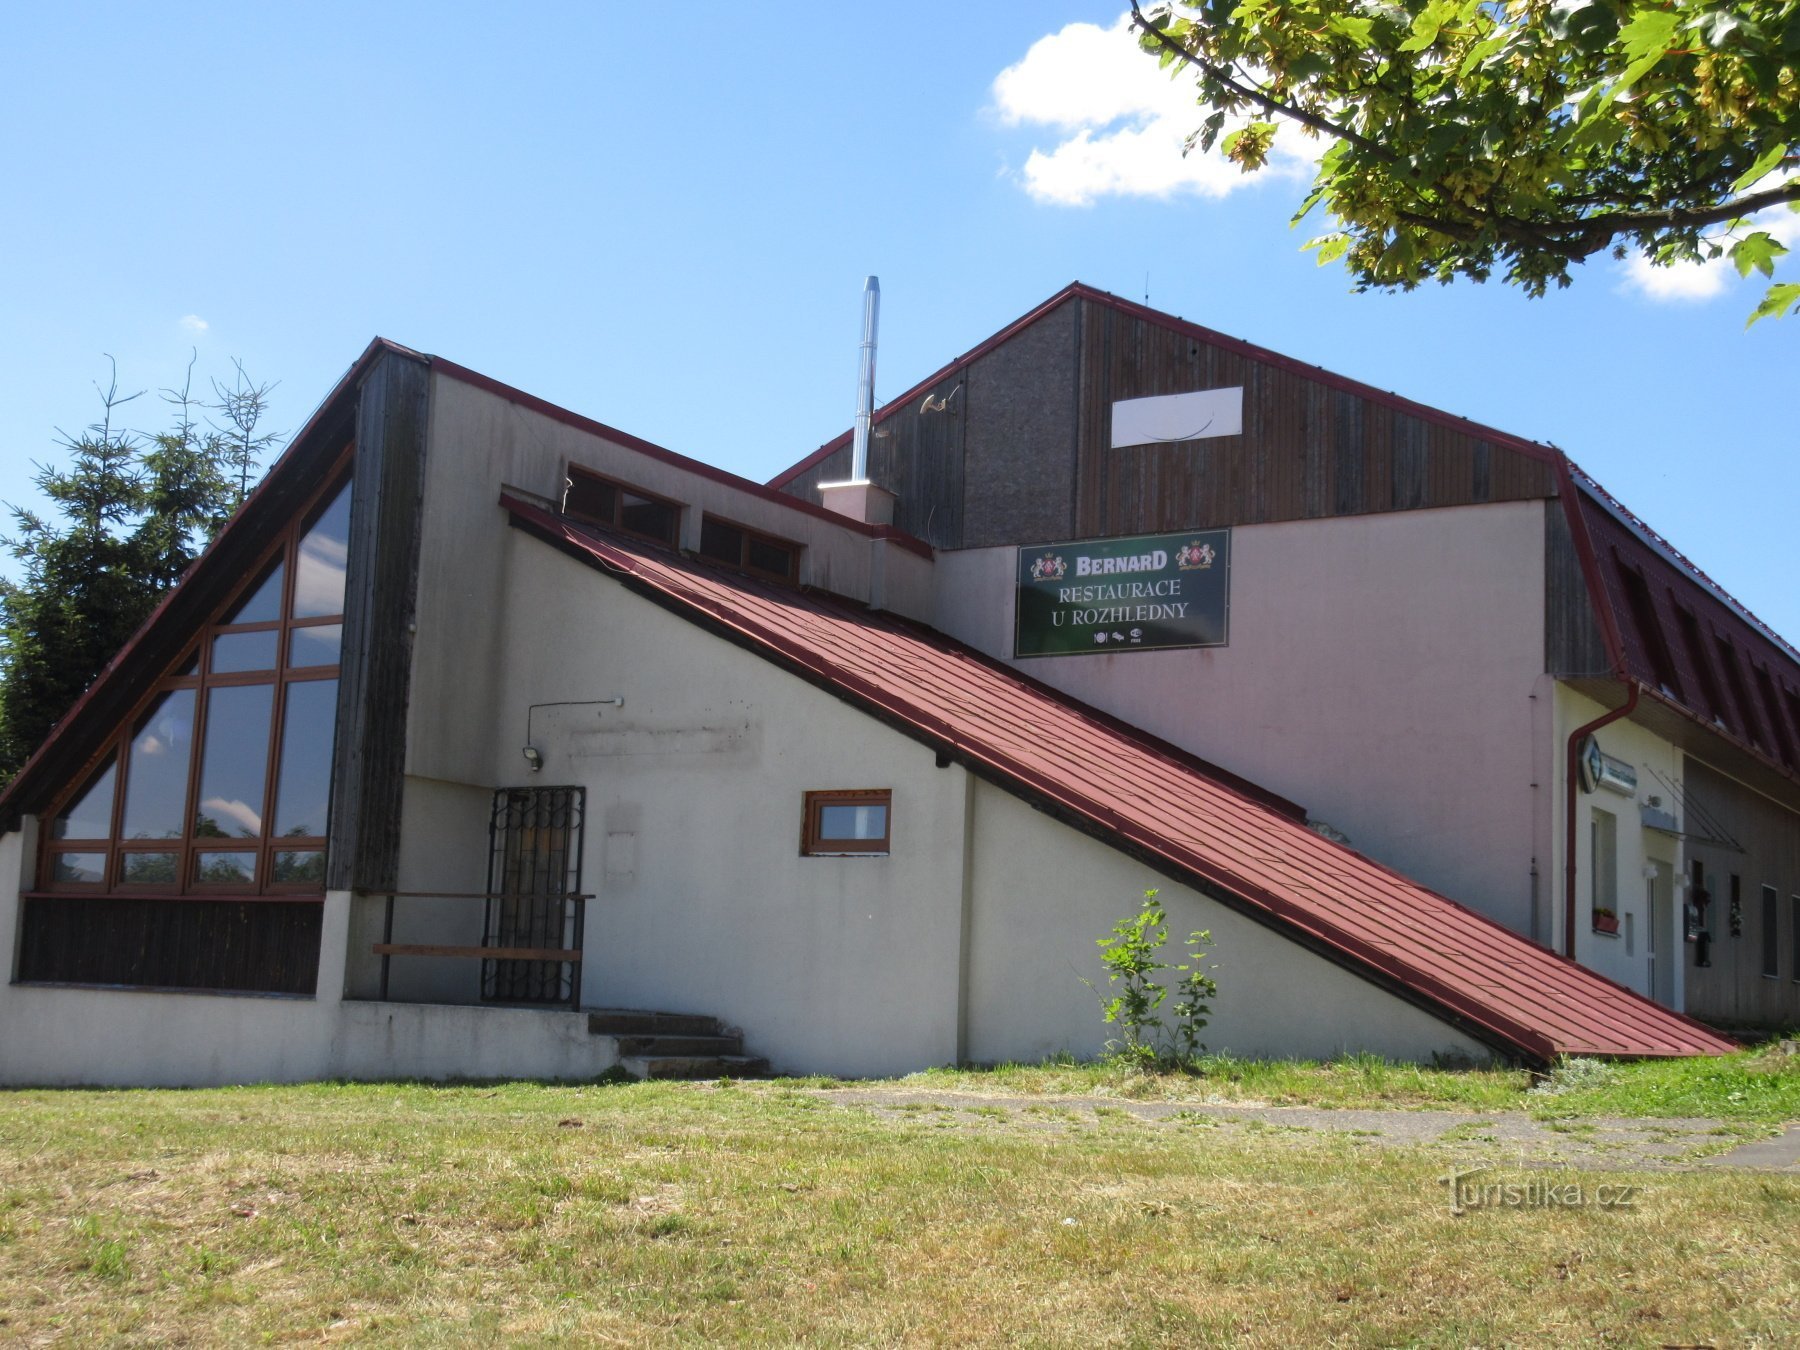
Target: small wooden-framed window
[852, 823]
[630, 509]
[739, 546]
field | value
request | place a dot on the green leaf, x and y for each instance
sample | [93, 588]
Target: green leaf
[1778, 299]
[1329, 247]
[1766, 161]
[1649, 34]
[1759, 251]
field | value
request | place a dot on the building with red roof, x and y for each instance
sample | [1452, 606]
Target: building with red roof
[490, 740]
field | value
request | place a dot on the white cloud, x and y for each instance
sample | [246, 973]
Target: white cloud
[1122, 122]
[1698, 281]
[193, 323]
[246, 817]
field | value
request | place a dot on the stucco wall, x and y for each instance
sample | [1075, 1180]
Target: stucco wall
[843, 965]
[480, 442]
[1381, 672]
[694, 791]
[1042, 894]
[1629, 955]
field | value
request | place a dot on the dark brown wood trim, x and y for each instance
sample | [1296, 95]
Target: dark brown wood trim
[380, 603]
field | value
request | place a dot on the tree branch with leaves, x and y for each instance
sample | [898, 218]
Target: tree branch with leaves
[1469, 139]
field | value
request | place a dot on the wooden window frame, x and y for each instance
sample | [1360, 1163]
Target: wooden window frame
[813, 843]
[188, 846]
[573, 472]
[742, 562]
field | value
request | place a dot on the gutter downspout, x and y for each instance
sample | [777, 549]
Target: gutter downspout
[1571, 787]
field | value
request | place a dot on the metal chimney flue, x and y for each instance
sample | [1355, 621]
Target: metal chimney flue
[865, 382]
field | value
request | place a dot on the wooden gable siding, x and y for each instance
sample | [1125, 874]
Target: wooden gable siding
[1307, 450]
[915, 452]
[380, 597]
[1023, 452]
[1574, 645]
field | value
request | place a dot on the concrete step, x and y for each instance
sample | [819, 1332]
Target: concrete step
[695, 1066]
[633, 1022]
[659, 1047]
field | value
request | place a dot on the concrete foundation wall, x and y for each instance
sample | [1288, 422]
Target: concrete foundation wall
[1381, 672]
[52, 1036]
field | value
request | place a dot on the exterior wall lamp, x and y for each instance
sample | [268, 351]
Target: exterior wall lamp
[534, 757]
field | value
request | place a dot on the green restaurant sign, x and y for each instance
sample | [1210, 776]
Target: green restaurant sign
[1151, 592]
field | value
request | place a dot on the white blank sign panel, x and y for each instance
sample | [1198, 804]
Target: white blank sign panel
[1178, 417]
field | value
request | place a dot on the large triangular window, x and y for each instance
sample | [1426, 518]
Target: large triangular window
[219, 784]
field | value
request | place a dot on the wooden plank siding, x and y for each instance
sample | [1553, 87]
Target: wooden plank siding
[381, 594]
[1733, 991]
[1307, 450]
[1026, 456]
[1574, 645]
[266, 946]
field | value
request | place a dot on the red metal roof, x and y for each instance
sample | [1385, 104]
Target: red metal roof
[1156, 802]
[1654, 633]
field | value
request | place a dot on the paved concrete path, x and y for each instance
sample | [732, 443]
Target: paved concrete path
[1610, 1143]
[1781, 1154]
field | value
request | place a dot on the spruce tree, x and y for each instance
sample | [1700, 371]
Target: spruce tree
[131, 512]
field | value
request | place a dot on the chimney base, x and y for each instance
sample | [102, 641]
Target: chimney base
[860, 500]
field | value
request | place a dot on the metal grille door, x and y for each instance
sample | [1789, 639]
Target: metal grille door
[534, 866]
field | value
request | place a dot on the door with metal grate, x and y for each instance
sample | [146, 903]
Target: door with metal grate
[534, 866]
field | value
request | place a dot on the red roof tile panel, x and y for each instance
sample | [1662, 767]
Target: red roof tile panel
[1157, 801]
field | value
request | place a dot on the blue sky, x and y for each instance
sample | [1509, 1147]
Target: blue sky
[661, 217]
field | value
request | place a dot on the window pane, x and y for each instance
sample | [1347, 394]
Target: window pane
[264, 603]
[305, 866]
[156, 789]
[765, 556]
[319, 575]
[225, 869]
[237, 755]
[316, 645]
[303, 790]
[85, 867]
[245, 651]
[852, 822]
[90, 815]
[720, 541]
[591, 498]
[644, 516]
[148, 869]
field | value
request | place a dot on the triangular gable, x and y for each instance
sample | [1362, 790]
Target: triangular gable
[128, 677]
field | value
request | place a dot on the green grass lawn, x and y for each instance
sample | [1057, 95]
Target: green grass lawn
[407, 1214]
[1754, 1085]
